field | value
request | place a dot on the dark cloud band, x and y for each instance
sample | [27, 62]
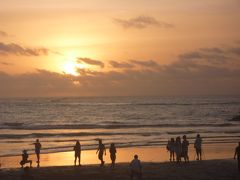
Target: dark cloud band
[16, 49]
[91, 62]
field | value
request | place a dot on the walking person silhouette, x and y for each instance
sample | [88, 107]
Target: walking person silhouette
[113, 151]
[100, 151]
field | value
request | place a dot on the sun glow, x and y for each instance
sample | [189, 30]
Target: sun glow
[72, 67]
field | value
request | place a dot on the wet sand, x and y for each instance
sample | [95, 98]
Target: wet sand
[217, 164]
[146, 154]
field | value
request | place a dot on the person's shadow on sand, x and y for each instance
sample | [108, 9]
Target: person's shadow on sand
[27, 174]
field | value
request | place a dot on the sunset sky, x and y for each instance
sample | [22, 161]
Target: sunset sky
[119, 47]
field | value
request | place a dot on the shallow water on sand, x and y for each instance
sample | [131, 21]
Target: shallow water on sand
[146, 154]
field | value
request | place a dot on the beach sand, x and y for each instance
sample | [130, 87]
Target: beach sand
[195, 170]
[217, 164]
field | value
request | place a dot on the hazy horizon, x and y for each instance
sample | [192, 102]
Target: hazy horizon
[123, 96]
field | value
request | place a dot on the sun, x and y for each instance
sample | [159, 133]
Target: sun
[71, 68]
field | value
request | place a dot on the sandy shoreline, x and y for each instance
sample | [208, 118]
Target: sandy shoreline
[217, 164]
[197, 170]
[124, 155]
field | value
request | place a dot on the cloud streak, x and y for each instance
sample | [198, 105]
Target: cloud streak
[141, 22]
[91, 62]
[16, 49]
[6, 63]
[146, 64]
[210, 56]
[120, 65]
[3, 34]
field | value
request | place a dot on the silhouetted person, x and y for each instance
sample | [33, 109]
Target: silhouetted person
[77, 150]
[113, 151]
[198, 147]
[38, 147]
[25, 159]
[237, 153]
[178, 149]
[170, 148]
[101, 150]
[136, 168]
[26, 174]
[185, 145]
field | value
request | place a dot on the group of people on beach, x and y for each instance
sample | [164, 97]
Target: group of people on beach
[176, 148]
[135, 165]
[100, 151]
[77, 153]
[179, 149]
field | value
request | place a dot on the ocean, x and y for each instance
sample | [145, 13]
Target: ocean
[126, 121]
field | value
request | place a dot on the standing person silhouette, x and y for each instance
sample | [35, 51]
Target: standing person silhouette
[136, 168]
[77, 149]
[237, 153]
[198, 147]
[178, 149]
[185, 145]
[170, 148]
[38, 147]
[101, 150]
[113, 151]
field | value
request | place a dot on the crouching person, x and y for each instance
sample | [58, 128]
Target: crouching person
[25, 159]
[136, 168]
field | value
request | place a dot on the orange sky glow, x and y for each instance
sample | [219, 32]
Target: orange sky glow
[110, 47]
